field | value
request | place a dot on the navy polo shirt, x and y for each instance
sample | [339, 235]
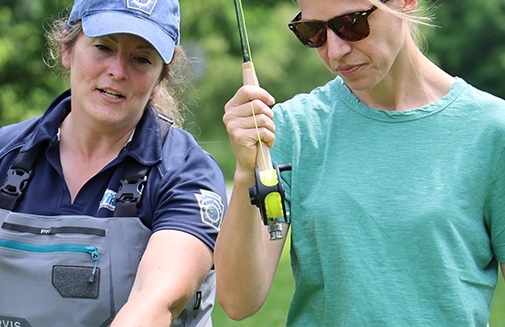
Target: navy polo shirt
[185, 189]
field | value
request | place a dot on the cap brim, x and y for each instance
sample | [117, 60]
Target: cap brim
[108, 23]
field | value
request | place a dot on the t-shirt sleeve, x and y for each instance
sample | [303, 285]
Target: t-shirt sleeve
[495, 211]
[190, 196]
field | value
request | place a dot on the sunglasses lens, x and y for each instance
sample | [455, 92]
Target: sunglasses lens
[351, 28]
[311, 34]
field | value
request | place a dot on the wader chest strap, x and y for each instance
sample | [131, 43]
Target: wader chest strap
[127, 198]
[132, 185]
[18, 176]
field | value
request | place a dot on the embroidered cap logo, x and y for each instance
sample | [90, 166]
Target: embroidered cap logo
[145, 6]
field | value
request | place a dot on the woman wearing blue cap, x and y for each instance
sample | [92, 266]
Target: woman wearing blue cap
[109, 211]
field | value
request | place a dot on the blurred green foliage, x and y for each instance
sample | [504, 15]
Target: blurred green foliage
[468, 43]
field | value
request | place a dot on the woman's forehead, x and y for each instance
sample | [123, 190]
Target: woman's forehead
[326, 9]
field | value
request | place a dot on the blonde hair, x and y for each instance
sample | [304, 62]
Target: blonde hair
[168, 95]
[422, 15]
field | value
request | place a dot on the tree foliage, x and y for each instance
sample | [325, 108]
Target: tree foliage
[468, 43]
[26, 84]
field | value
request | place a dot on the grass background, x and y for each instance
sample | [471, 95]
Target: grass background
[273, 313]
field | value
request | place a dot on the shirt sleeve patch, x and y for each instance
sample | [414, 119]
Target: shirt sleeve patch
[211, 208]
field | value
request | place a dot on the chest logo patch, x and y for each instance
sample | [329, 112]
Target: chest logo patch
[108, 200]
[211, 208]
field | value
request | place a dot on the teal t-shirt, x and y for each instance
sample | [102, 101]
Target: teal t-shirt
[397, 218]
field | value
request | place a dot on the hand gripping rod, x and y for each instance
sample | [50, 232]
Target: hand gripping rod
[267, 193]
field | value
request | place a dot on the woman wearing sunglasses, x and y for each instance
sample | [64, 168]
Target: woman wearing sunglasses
[397, 189]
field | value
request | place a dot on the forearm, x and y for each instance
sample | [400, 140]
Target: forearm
[147, 308]
[503, 270]
[173, 267]
[245, 259]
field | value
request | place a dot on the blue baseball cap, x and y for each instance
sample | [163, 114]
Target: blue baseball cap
[156, 21]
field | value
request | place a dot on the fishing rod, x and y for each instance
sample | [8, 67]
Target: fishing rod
[267, 193]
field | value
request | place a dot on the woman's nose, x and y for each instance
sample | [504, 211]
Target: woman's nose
[335, 46]
[118, 66]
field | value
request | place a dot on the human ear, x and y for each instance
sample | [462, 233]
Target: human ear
[168, 68]
[410, 6]
[65, 53]
[65, 57]
[165, 71]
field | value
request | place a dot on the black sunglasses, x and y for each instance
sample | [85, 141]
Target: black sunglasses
[349, 27]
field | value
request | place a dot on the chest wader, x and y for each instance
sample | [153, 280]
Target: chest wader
[76, 271]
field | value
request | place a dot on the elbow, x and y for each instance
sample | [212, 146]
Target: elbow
[237, 310]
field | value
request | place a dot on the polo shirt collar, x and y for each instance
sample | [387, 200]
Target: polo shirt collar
[145, 146]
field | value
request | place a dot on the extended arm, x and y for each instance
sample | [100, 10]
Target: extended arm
[173, 266]
[503, 270]
[245, 258]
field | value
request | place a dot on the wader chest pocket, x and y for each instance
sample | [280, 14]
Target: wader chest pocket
[69, 280]
[55, 265]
